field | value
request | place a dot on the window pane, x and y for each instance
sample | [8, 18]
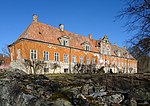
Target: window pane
[66, 58]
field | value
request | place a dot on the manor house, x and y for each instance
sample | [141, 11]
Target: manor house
[56, 45]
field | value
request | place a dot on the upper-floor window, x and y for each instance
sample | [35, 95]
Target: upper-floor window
[108, 51]
[45, 55]
[56, 57]
[87, 47]
[18, 52]
[74, 59]
[66, 58]
[81, 59]
[103, 50]
[33, 54]
[87, 60]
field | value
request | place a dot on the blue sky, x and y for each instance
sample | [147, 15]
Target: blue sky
[82, 17]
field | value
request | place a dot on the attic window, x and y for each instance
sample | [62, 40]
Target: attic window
[118, 53]
[87, 47]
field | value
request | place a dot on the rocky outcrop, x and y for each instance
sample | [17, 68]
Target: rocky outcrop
[19, 89]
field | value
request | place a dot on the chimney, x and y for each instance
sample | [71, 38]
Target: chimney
[90, 36]
[124, 47]
[114, 44]
[61, 27]
[35, 18]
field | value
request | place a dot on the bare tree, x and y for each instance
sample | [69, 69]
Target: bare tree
[34, 65]
[5, 51]
[54, 66]
[137, 15]
[77, 67]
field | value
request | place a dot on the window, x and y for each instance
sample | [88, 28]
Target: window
[65, 42]
[74, 59]
[65, 70]
[81, 59]
[119, 53]
[56, 57]
[93, 60]
[18, 52]
[103, 50]
[108, 51]
[66, 58]
[46, 69]
[87, 48]
[33, 54]
[99, 61]
[46, 56]
[87, 60]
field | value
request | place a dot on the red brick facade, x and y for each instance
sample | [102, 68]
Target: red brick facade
[42, 41]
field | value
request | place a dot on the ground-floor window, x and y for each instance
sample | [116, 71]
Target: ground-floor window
[46, 69]
[65, 70]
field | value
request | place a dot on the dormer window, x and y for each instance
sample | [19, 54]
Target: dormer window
[64, 40]
[87, 47]
[118, 52]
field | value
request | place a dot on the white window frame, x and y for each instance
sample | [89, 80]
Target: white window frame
[99, 61]
[103, 50]
[18, 53]
[87, 47]
[66, 58]
[33, 51]
[87, 60]
[93, 60]
[65, 42]
[47, 54]
[56, 56]
[73, 59]
[81, 60]
[119, 53]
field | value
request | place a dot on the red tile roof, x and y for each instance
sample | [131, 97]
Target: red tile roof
[46, 33]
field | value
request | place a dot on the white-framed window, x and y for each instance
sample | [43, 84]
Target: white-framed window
[81, 59]
[33, 54]
[93, 60]
[119, 54]
[45, 55]
[87, 60]
[99, 61]
[56, 57]
[87, 47]
[66, 58]
[108, 51]
[103, 50]
[65, 42]
[74, 59]
[18, 52]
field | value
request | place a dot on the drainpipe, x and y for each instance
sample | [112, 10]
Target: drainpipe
[70, 60]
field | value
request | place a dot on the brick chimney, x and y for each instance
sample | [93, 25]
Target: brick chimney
[124, 47]
[35, 18]
[90, 36]
[61, 27]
